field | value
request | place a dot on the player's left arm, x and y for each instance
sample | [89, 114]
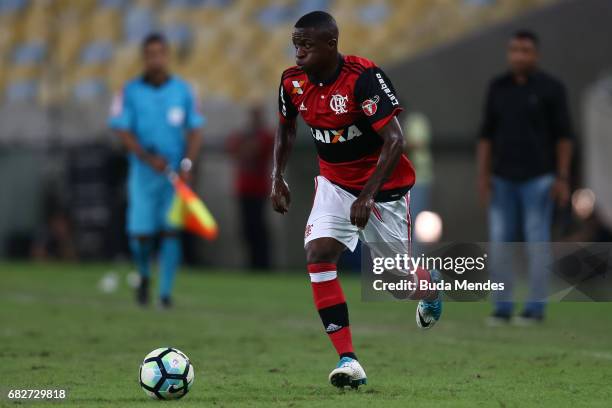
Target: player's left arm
[380, 105]
[393, 146]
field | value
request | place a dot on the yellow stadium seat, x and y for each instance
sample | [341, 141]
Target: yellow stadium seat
[68, 44]
[105, 25]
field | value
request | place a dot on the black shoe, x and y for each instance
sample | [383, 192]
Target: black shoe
[529, 318]
[498, 319]
[165, 302]
[142, 292]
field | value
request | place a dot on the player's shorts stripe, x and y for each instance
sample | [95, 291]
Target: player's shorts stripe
[314, 196]
[377, 213]
[409, 222]
[323, 276]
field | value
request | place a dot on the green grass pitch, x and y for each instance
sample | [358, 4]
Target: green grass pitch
[256, 341]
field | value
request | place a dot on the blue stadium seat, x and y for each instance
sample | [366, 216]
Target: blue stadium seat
[97, 52]
[179, 3]
[178, 34]
[29, 53]
[306, 6]
[21, 91]
[138, 23]
[113, 4]
[479, 2]
[274, 15]
[212, 3]
[90, 89]
[197, 3]
[373, 14]
[11, 6]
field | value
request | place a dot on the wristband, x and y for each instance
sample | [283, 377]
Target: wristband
[186, 164]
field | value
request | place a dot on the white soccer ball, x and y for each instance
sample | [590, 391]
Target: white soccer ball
[166, 373]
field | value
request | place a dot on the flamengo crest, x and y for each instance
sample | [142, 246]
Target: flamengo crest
[338, 103]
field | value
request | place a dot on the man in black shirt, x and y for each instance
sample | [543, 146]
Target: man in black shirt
[524, 154]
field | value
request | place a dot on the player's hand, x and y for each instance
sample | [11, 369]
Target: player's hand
[484, 189]
[560, 192]
[360, 211]
[281, 197]
[156, 162]
[186, 176]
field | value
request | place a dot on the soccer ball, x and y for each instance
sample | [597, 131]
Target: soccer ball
[166, 373]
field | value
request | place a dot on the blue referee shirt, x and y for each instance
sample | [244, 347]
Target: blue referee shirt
[159, 116]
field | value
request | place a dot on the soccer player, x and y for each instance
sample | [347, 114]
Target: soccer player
[156, 116]
[362, 190]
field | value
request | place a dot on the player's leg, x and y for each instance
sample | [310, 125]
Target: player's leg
[328, 233]
[387, 234]
[170, 251]
[141, 228]
[504, 226]
[537, 207]
[322, 255]
[170, 255]
[141, 247]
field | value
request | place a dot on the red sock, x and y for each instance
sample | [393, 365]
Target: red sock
[329, 301]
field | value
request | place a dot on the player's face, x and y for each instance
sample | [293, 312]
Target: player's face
[313, 49]
[522, 55]
[155, 57]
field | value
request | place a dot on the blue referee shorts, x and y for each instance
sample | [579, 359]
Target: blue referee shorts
[149, 202]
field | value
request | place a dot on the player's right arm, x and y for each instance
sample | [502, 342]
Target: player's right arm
[121, 122]
[283, 144]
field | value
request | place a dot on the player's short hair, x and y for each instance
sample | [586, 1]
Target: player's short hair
[527, 35]
[318, 20]
[154, 38]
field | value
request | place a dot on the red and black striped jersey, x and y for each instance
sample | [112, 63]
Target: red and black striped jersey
[344, 114]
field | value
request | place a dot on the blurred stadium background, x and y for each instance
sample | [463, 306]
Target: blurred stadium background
[62, 60]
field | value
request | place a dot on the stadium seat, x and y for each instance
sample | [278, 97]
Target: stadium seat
[138, 22]
[111, 4]
[12, 6]
[25, 90]
[90, 89]
[29, 53]
[94, 44]
[97, 52]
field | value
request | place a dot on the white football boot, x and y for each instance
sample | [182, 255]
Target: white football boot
[348, 372]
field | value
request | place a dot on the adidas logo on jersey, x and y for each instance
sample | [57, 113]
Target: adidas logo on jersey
[332, 328]
[335, 136]
[302, 107]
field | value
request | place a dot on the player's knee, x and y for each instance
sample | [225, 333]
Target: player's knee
[319, 251]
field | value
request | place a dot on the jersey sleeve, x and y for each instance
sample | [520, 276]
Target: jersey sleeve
[286, 109]
[376, 95]
[121, 113]
[195, 119]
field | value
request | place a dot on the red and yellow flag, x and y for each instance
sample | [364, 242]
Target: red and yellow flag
[189, 212]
